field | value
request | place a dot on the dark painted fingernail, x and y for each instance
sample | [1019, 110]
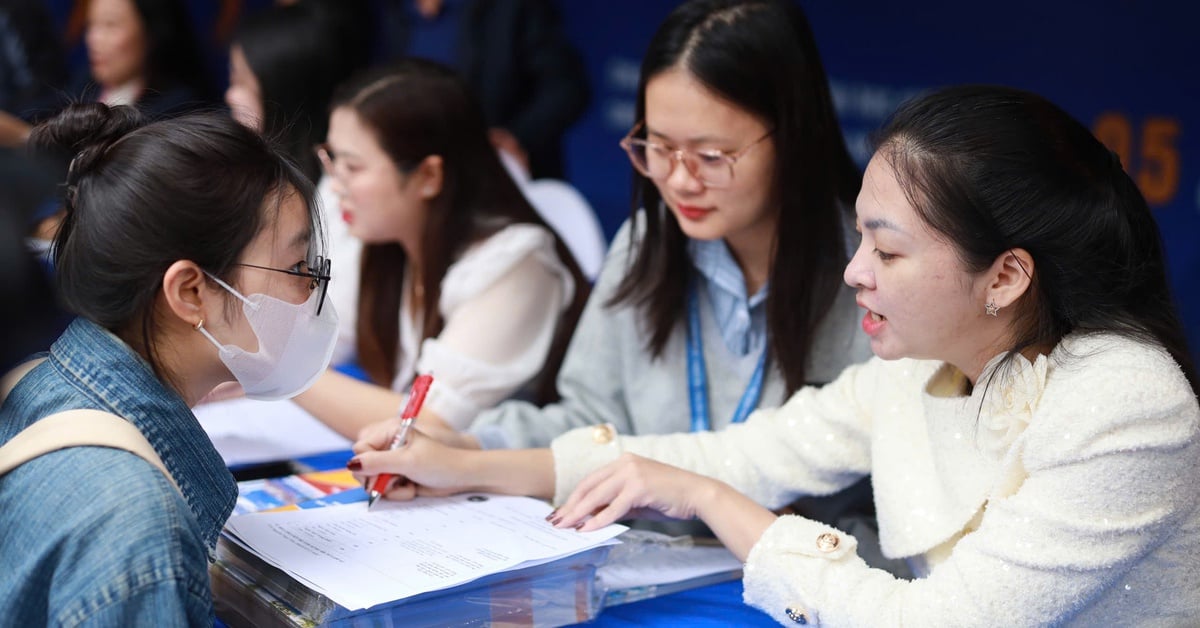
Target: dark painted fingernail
[579, 525]
[551, 515]
[354, 465]
[555, 521]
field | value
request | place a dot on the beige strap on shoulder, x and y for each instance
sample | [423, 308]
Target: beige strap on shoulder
[72, 428]
[78, 428]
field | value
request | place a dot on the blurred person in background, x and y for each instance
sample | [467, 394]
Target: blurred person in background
[515, 58]
[29, 316]
[32, 64]
[284, 63]
[459, 277]
[140, 52]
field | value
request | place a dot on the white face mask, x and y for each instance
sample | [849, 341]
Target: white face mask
[294, 345]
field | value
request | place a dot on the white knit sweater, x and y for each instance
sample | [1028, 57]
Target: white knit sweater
[1065, 492]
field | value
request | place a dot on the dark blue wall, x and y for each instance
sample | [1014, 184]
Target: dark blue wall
[1126, 68]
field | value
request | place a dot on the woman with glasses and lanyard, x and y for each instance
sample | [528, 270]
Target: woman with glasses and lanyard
[459, 278]
[722, 293]
[191, 254]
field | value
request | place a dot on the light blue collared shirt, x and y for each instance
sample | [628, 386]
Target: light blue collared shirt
[741, 319]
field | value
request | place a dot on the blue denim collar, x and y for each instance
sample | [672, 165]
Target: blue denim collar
[120, 381]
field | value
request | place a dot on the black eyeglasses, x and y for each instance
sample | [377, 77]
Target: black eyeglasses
[318, 272]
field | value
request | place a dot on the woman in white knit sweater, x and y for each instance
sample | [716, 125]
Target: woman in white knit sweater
[1030, 422]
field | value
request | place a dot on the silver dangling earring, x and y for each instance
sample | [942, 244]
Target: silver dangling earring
[991, 308]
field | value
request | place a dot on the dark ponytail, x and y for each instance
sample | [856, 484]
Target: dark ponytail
[76, 139]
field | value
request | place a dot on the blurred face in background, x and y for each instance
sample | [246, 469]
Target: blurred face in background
[116, 42]
[379, 202]
[244, 95]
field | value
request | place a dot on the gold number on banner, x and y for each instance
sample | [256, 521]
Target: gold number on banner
[1157, 167]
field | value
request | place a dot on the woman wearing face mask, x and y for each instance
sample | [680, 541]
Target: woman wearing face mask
[460, 277]
[1030, 423]
[190, 253]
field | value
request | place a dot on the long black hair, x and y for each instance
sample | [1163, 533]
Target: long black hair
[760, 56]
[995, 168]
[418, 108]
[141, 196]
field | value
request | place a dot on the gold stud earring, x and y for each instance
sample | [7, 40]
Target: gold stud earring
[991, 308]
[198, 325]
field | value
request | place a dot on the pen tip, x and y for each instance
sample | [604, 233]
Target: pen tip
[374, 497]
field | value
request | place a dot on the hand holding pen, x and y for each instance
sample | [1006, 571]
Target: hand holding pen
[415, 398]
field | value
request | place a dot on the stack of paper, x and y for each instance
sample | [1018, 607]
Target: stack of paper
[360, 559]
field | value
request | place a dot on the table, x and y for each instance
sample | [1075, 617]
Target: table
[714, 605]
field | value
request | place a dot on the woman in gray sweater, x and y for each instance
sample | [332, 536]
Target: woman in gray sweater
[723, 291]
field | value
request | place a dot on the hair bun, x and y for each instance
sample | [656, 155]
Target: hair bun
[79, 135]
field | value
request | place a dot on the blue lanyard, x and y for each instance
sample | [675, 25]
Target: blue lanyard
[698, 375]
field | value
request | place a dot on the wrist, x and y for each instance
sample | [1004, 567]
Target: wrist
[468, 441]
[711, 498]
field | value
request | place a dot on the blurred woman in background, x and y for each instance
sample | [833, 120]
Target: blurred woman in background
[460, 277]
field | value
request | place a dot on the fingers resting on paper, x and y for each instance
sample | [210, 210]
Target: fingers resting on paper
[632, 484]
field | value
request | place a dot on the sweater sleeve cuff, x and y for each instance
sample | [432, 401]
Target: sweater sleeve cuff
[579, 452]
[784, 571]
[455, 409]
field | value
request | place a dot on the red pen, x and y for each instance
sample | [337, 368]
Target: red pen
[415, 398]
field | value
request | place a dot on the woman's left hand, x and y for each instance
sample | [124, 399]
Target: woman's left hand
[631, 483]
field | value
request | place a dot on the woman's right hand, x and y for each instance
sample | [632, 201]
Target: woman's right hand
[426, 466]
[423, 466]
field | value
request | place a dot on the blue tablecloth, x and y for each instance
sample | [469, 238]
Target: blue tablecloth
[713, 605]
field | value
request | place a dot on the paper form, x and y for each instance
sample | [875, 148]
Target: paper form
[400, 549]
[246, 431]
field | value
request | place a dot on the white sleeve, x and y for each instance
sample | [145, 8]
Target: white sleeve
[501, 304]
[1102, 516]
[1109, 470]
[817, 443]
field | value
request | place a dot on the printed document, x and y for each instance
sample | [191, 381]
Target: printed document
[360, 559]
[247, 431]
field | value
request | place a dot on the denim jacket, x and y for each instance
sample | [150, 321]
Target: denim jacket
[97, 536]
